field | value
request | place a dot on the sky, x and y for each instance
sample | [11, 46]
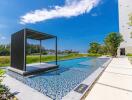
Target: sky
[76, 23]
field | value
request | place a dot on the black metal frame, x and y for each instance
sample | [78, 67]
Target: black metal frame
[18, 54]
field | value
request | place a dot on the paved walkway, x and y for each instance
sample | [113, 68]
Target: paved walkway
[115, 83]
[22, 91]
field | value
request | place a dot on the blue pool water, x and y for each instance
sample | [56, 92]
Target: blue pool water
[57, 84]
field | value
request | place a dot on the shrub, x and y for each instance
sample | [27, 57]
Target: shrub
[129, 54]
[94, 55]
[4, 90]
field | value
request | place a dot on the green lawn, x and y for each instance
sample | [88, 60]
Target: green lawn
[5, 60]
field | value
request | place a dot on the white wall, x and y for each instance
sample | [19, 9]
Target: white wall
[125, 8]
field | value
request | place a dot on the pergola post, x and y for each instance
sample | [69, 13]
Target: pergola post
[25, 52]
[56, 49]
[40, 50]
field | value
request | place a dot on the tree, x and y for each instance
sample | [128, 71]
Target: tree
[130, 19]
[112, 42]
[4, 50]
[103, 50]
[131, 34]
[34, 49]
[94, 47]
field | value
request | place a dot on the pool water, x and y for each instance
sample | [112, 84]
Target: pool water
[57, 84]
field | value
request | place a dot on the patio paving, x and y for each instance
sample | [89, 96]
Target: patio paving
[23, 92]
[115, 83]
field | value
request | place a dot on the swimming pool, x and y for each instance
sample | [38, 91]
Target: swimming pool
[57, 84]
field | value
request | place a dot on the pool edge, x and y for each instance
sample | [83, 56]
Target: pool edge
[73, 95]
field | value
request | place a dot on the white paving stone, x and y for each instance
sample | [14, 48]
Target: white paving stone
[115, 83]
[24, 92]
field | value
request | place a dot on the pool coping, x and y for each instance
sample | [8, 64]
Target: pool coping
[89, 81]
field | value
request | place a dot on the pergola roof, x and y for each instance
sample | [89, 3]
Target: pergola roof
[32, 34]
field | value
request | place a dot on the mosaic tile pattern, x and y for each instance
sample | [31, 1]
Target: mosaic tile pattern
[58, 83]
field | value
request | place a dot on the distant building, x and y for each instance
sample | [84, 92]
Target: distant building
[125, 9]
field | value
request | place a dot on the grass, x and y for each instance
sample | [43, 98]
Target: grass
[5, 60]
[130, 57]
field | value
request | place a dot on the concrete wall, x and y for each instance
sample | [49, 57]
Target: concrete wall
[125, 8]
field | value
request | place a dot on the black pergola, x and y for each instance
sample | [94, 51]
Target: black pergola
[19, 44]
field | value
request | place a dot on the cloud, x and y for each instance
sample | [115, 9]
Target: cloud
[71, 8]
[94, 14]
[2, 37]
